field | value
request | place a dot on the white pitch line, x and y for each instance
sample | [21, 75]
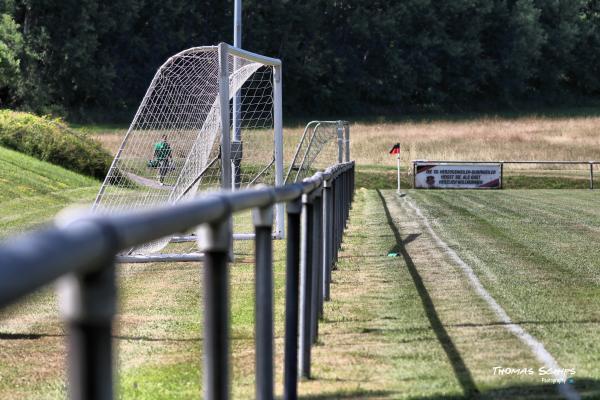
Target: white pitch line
[535, 345]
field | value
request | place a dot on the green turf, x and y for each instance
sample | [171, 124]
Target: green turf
[115, 128]
[528, 181]
[537, 253]
[378, 339]
[33, 191]
[381, 177]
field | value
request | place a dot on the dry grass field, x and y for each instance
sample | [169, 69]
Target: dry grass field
[484, 139]
[487, 138]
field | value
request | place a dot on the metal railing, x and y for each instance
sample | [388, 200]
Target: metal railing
[502, 163]
[81, 254]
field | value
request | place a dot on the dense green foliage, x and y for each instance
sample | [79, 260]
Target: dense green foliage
[11, 48]
[346, 57]
[51, 140]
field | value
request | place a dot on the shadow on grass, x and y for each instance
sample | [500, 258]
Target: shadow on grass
[24, 336]
[37, 336]
[462, 373]
[397, 248]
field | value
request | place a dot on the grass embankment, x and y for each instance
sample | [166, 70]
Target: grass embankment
[53, 141]
[33, 191]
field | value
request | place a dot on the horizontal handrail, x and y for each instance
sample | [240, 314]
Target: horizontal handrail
[40, 257]
[82, 252]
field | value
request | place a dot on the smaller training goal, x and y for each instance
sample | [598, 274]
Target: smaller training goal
[323, 143]
[211, 119]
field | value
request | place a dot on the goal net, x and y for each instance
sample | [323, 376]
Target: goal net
[210, 120]
[322, 144]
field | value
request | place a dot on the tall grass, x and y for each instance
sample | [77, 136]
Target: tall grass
[485, 139]
[488, 138]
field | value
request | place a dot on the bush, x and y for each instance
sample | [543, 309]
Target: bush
[53, 141]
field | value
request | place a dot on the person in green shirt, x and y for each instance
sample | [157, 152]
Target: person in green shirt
[162, 158]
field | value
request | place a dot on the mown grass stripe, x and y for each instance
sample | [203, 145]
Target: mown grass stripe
[536, 346]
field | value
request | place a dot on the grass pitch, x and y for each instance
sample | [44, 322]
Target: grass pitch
[537, 253]
[397, 327]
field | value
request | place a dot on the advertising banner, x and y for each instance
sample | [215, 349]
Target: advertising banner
[457, 176]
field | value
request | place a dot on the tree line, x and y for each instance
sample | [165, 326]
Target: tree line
[95, 59]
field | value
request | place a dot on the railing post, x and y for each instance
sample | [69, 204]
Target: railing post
[337, 216]
[348, 194]
[214, 240]
[591, 175]
[317, 237]
[342, 209]
[88, 304]
[347, 186]
[306, 267]
[353, 180]
[414, 186]
[278, 132]
[340, 141]
[347, 140]
[263, 228]
[344, 199]
[290, 390]
[327, 238]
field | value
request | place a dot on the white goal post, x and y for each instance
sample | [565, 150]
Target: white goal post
[210, 120]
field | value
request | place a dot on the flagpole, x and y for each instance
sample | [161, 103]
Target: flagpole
[398, 159]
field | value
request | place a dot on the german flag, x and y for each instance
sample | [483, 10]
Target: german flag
[395, 149]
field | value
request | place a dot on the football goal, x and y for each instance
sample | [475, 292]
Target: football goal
[210, 120]
[322, 144]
